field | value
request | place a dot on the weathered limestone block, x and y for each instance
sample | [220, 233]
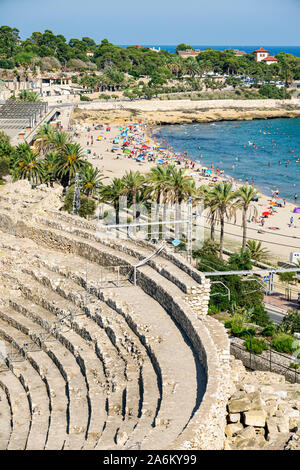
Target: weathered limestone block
[272, 429]
[249, 401]
[234, 417]
[247, 433]
[283, 424]
[241, 443]
[255, 418]
[232, 429]
[294, 423]
[248, 388]
[270, 407]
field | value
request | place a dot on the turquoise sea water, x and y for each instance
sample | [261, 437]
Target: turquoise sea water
[266, 150]
[295, 50]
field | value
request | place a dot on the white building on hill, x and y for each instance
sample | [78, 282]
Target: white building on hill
[262, 55]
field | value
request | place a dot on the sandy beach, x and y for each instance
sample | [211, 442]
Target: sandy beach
[276, 235]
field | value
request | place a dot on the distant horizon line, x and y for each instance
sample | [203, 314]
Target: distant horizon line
[215, 45]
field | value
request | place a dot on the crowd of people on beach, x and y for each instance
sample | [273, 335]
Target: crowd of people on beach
[136, 143]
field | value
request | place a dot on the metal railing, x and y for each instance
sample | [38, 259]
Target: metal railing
[254, 361]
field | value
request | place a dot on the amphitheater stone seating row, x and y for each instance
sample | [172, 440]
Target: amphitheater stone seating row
[102, 367]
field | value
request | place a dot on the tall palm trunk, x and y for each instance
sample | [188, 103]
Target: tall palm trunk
[134, 210]
[177, 215]
[244, 228]
[222, 223]
[117, 212]
[212, 227]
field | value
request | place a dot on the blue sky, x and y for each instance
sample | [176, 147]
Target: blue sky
[213, 22]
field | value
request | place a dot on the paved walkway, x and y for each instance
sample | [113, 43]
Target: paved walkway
[279, 300]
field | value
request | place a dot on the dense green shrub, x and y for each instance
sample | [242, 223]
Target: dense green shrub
[236, 330]
[272, 91]
[213, 309]
[85, 98]
[283, 343]
[291, 322]
[248, 332]
[4, 168]
[243, 333]
[104, 97]
[268, 331]
[87, 204]
[6, 64]
[260, 316]
[255, 345]
[242, 294]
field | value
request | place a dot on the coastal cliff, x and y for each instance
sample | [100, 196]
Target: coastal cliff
[185, 111]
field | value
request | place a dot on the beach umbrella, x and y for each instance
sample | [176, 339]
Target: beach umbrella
[160, 161]
[297, 210]
[266, 213]
[280, 202]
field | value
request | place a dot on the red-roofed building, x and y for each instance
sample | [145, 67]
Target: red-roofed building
[238, 53]
[262, 55]
[270, 60]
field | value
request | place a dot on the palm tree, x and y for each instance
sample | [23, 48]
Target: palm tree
[256, 251]
[159, 184]
[70, 162]
[245, 196]
[112, 194]
[50, 163]
[133, 183]
[224, 206]
[43, 138]
[209, 203]
[90, 179]
[180, 188]
[58, 140]
[27, 165]
[28, 96]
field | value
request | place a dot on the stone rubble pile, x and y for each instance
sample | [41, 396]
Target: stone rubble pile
[263, 412]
